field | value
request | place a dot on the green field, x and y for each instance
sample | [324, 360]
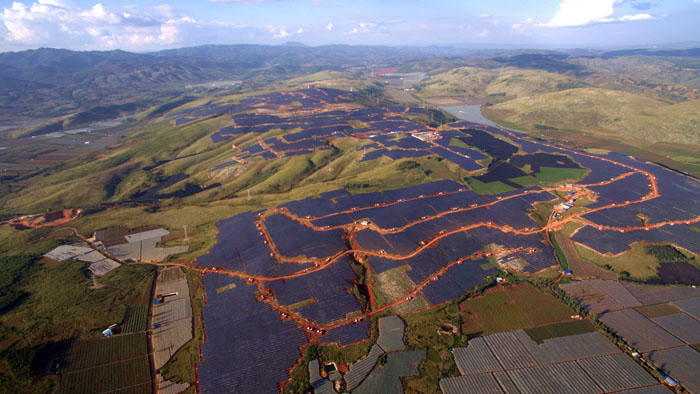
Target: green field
[556, 330]
[459, 143]
[487, 187]
[510, 308]
[90, 353]
[135, 319]
[554, 175]
[634, 262]
[524, 181]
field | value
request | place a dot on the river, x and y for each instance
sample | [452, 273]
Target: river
[472, 113]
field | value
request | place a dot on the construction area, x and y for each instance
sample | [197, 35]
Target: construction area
[99, 264]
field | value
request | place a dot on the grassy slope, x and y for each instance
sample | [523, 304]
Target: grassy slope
[58, 305]
[637, 263]
[602, 111]
[504, 82]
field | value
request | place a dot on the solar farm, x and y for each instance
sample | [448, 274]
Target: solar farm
[300, 272]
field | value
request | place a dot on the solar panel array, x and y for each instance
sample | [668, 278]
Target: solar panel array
[248, 349]
[422, 213]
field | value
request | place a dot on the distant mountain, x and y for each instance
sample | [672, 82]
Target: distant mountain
[53, 82]
[689, 52]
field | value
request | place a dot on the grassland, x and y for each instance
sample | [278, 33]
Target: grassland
[68, 308]
[480, 187]
[494, 84]
[598, 110]
[635, 262]
[554, 175]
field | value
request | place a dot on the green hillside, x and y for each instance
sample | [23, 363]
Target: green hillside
[601, 111]
[498, 84]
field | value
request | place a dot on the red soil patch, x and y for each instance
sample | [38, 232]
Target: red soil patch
[51, 219]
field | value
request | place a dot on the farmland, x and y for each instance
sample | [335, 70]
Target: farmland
[649, 319]
[575, 361]
[105, 364]
[506, 309]
[132, 376]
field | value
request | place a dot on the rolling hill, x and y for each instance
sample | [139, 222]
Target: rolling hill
[496, 84]
[594, 110]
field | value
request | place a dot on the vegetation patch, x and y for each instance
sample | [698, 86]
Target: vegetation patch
[652, 311]
[459, 143]
[634, 263]
[135, 319]
[133, 376]
[554, 175]
[480, 187]
[302, 304]
[510, 308]
[556, 330]
[666, 253]
[225, 288]
[422, 332]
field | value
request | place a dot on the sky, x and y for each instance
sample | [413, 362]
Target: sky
[149, 25]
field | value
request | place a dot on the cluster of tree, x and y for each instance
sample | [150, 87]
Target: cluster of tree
[666, 253]
[15, 270]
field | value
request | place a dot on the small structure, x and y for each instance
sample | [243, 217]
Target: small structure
[669, 381]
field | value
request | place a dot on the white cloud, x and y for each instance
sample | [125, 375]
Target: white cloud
[50, 23]
[482, 34]
[300, 30]
[282, 33]
[637, 17]
[522, 25]
[484, 16]
[582, 12]
[329, 26]
[98, 14]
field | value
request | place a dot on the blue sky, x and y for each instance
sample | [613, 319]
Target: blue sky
[159, 24]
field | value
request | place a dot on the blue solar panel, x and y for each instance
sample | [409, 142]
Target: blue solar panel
[248, 349]
[347, 334]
